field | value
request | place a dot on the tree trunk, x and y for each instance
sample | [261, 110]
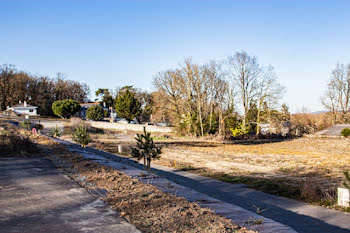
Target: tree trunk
[200, 118]
[258, 123]
[149, 165]
[258, 119]
[211, 115]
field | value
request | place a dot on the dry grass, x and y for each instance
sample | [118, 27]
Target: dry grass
[305, 168]
[16, 142]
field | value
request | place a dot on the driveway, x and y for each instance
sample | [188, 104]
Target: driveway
[36, 197]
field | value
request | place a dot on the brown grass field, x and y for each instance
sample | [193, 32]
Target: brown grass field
[306, 168]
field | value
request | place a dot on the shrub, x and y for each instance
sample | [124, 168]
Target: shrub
[145, 149]
[56, 132]
[65, 108]
[345, 132]
[81, 136]
[239, 131]
[26, 124]
[13, 143]
[95, 113]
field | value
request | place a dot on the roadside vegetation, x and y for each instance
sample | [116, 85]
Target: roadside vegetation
[142, 205]
[16, 142]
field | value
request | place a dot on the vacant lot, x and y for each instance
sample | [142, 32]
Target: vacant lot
[304, 168]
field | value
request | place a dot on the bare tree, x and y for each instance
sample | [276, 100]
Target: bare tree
[330, 100]
[269, 93]
[245, 72]
[169, 83]
[337, 97]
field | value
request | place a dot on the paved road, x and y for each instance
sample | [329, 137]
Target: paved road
[333, 130]
[301, 216]
[35, 197]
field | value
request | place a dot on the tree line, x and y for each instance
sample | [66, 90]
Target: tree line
[233, 96]
[41, 91]
[336, 98]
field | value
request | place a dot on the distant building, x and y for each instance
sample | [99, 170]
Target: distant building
[24, 109]
[83, 108]
[265, 129]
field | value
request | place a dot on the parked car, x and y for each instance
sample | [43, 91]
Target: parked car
[124, 121]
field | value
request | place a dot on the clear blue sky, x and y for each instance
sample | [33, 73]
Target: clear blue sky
[114, 43]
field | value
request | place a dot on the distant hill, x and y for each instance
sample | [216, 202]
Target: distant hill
[318, 112]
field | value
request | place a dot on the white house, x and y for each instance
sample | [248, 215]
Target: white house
[24, 109]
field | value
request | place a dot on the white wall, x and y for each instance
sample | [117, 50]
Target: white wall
[133, 127]
[26, 111]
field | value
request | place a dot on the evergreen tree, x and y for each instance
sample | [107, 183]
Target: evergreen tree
[65, 108]
[127, 106]
[106, 97]
[81, 136]
[95, 113]
[285, 114]
[146, 149]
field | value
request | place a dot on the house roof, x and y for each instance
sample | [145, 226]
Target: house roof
[87, 105]
[22, 106]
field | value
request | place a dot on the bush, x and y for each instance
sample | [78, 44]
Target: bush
[65, 108]
[95, 113]
[239, 131]
[25, 124]
[13, 143]
[303, 123]
[56, 132]
[345, 132]
[81, 135]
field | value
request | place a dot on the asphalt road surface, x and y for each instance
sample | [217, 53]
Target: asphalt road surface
[36, 197]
